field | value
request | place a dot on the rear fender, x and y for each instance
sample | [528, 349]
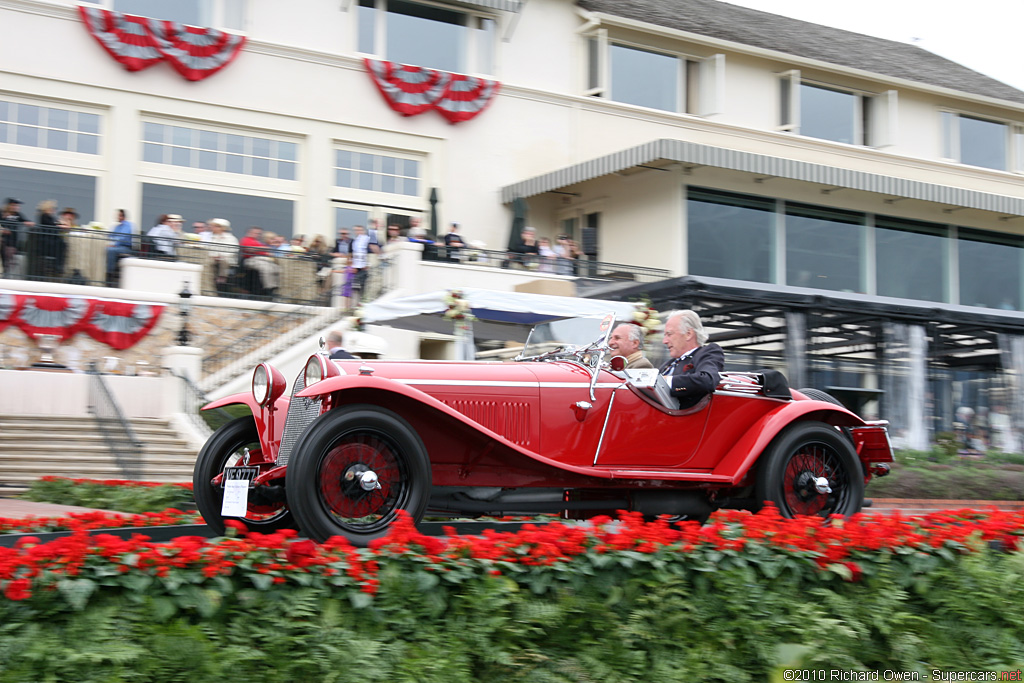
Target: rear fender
[745, 452]
[269, 422]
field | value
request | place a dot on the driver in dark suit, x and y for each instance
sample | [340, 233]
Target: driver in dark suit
[334, 341]
[693, 370]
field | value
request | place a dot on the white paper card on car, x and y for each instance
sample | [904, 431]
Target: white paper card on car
[236, 498]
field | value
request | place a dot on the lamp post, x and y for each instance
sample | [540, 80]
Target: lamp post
[184, 337]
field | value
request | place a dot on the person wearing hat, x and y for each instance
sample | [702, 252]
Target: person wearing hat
[12, 228]
[166, 234]
[224, 250]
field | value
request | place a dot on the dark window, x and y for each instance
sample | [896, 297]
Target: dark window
[911, 259]
[824, 248]
[990, 269]
[730, 235]
[244, 211]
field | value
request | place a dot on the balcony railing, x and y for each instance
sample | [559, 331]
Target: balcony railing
[581, 268]
[82, 257]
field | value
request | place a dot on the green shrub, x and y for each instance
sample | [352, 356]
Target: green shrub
[116, 495]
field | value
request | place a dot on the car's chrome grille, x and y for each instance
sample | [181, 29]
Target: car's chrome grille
[301, 413]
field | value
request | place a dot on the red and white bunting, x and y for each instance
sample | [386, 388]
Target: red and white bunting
[412, 90]
[118, 324]
[138, 42]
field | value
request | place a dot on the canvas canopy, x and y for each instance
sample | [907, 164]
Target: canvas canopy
[504, 316]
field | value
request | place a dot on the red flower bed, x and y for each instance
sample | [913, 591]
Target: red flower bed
[846, 549]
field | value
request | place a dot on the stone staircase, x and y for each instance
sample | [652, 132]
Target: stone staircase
[34, 446]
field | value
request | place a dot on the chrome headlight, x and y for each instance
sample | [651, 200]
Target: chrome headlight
[314, 370]
[261, 384]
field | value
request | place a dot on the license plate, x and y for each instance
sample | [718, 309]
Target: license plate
[241, 474]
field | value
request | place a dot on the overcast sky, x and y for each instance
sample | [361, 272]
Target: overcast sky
[983, 35]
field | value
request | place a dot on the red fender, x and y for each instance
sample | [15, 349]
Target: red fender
[262, 416]
[745, 452]
[350, 382]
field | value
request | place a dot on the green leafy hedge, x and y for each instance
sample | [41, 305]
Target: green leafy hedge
[737, 600]
[112, 494]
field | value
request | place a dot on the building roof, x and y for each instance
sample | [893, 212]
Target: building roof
[812, 41]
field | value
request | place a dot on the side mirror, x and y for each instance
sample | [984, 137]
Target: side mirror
[618, 363]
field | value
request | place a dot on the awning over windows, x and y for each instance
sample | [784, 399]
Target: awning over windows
[503, 5]
[762, 165]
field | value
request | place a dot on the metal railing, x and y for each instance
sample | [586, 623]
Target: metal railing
[192, 401]
[579, 268]
[124, 445]
[80, 256]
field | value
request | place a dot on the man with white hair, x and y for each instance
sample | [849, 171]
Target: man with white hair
[335, 339]
[693, 370]
[223, 249]
[627, 340]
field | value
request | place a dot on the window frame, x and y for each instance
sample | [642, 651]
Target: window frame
[74, 108]
[950, 142]
[397, 200]
[874, 117]
[217, 11]
[472, 49]
[198, 149]
[700, 81]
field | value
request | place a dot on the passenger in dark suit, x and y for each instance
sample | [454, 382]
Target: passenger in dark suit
[334, 341]
[695, 365]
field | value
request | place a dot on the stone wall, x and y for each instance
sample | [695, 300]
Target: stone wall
[213, 326]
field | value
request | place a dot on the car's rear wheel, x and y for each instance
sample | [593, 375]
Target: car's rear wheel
[353, 470]
[227, 447]
[811, 469]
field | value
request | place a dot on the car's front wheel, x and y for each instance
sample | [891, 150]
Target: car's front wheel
[811, 469]
[353, 470]
[228, 447]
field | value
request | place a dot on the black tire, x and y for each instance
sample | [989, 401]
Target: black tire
[819, 395]
[804, 452]
[327, 464]
[225, 448]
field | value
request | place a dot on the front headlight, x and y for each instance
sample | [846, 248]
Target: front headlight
[261, 384]
[314, 371]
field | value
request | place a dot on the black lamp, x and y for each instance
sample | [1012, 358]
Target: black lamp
[184, 337]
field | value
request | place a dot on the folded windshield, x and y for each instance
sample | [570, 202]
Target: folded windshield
[568, 333]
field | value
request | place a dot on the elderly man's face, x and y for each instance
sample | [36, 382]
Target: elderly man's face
[676, 340]
[621, 342]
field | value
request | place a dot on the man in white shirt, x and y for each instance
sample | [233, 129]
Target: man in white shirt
[223, 249]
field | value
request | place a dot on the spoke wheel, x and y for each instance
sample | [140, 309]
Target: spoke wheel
[353, 470]
[227, 448]
[811, 469]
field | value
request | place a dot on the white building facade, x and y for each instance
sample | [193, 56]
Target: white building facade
[688, 135]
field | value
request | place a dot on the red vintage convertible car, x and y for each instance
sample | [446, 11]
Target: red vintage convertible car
[562, 429]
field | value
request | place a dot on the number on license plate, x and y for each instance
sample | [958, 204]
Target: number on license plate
[241, 474]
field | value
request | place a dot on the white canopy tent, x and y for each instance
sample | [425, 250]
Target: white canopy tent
[506, 316]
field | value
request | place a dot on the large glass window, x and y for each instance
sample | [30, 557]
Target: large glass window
[974, 141]
[207, 13]
[643, 77]
[990, 269]
[426, 35]
[829, 114]
[217, 151]
[33, 125]
[983, 143]
[730, 235]
[824, 248]
[32, 186]
[376, 172]
[242, 210]
[911, 260]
